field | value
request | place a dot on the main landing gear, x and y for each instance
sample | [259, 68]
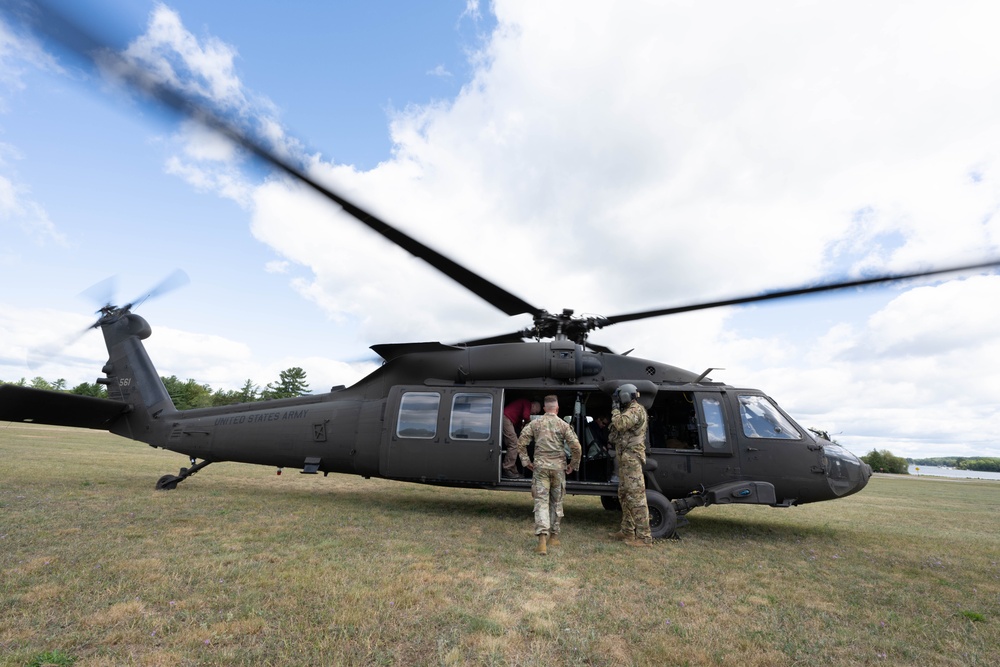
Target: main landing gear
[170, 482]
[663, 519]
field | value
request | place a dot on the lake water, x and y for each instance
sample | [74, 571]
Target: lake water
[951, 472]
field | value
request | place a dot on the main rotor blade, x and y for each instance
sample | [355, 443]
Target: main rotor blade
[782, 294]
[81, 43]
[176, 279]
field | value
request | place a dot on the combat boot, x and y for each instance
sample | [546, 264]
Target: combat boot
[620, 535]
[541, 545]
[638, 542]
[553, 540]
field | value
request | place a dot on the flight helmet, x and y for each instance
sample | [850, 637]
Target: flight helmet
[627, 393]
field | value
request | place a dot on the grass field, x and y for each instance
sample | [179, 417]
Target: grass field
[241, 567]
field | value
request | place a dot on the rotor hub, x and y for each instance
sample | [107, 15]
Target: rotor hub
[563, 326]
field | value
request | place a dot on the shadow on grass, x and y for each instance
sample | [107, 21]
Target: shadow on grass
[355, 495]
[764, 528]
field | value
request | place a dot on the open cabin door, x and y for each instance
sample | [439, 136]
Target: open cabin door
[442, 434]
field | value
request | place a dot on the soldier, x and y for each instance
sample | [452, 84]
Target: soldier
[548, 483]
[628, 434]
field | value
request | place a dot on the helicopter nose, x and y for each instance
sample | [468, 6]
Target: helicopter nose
[845, 472]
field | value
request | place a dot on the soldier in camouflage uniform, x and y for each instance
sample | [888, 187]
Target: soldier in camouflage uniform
[548, 484]
[629, 422]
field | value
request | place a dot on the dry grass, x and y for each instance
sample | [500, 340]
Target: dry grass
[240, 567]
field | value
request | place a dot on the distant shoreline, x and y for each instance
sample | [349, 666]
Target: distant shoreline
[951, 473]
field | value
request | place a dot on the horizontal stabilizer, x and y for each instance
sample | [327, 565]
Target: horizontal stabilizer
[38, 406]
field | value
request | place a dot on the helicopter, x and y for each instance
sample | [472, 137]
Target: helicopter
[431, 413]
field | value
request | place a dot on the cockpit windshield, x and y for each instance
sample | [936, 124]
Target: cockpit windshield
[761, 419]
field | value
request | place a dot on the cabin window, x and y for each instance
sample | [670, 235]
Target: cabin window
[471, 416]
[673, 421]
[715, 424]
[761, 419]
[418, 413]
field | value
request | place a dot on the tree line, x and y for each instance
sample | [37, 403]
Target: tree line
[190, 394]
[978, 463]
[885, 461]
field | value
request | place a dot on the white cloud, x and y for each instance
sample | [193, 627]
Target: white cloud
[921, 376]
[19, 53]
[440, 71]
[42, 342]
[202, 68]
[27, 215]
[621, 158]
[227, 364]
[205, 70]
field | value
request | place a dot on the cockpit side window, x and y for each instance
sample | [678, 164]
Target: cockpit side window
[762, 419]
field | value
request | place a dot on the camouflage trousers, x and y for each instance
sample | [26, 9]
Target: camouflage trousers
[548, 488]
[632, 496]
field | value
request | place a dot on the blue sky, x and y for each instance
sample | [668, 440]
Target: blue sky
[606, 158]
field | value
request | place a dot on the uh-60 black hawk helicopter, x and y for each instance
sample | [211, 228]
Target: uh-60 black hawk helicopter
[432, 412]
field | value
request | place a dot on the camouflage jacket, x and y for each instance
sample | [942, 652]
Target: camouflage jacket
[628, 430]
[551, 435]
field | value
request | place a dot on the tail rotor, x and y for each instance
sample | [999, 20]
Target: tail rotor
[104, 293]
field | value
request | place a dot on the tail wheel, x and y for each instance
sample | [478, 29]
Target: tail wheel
[662, 515]
[167, 483]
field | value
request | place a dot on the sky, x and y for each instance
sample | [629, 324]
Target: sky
[604, 157]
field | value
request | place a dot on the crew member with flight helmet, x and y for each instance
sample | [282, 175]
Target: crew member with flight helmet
[629, 423]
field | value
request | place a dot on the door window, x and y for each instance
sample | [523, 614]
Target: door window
[418, 413]
[471, 417]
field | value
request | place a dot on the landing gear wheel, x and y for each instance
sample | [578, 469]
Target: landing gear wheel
[662, 515]
[610, 503]
[170, 482]
[167, 482]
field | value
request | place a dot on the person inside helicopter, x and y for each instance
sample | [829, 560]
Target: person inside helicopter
[516, 414]
[597, 437]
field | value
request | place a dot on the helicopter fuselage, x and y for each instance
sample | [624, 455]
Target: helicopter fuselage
[432, 414]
